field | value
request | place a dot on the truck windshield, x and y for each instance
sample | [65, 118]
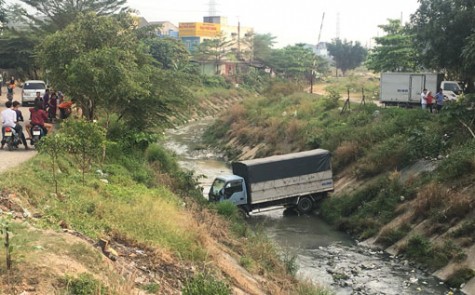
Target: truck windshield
[218, 184]
[452, 87]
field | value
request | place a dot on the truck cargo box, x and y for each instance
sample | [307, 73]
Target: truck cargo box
[283, 176]
[406, 88]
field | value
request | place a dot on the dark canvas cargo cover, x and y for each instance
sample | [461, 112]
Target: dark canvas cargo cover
[283, 166]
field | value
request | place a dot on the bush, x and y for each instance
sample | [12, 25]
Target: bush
[205, 284]
[459, 165]
[167, 162]
[418, 248]
[460, 277]
[226, 209]
[467, 229]
[215, 81]
[278, 89]
[391, 236]
[85, 284]
[290, 263]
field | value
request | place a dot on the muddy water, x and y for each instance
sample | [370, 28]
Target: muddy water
[325, 256]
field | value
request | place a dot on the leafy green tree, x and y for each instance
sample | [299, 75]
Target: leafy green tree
[442, 30]
[85, 141]
[17, 52]
[347, 55]
[258, 50]
[296, 62]
[394, 51]
[2, 13]
[54, 15]
[215, 50]
[99, 61]
[170, 53]
[53, 145]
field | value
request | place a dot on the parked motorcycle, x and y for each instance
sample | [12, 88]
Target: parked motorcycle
[37, 133]
[11, 138]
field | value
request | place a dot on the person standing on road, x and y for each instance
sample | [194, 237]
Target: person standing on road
[439, 98]
[38, 98]
[46, 100]
[53, 103]
[423, 99]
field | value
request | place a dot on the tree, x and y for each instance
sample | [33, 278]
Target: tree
[215, 50]
[441, 30]
[170, 53]
[296, 62]
[347, 55]
[17, 52]
[99, 61]
[54, 146]
[2, 13]
[85, 141]
[54, 15]
[394, 51]
[258, 49]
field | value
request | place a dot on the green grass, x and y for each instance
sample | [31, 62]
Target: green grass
[421, 250]
[152, 216]
[205, 284]
[84, 284]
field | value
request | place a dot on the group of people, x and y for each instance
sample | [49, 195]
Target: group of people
[11, 116]
[42, 114]
[428, 100]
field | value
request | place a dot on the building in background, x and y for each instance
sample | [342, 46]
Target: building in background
[166, 29]
[193, 34]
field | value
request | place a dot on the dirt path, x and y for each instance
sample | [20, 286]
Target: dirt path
[14, 158]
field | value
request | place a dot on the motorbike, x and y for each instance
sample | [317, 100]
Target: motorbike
[37, 133]
[11, 138]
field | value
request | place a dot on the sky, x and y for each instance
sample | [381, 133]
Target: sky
[292, 21]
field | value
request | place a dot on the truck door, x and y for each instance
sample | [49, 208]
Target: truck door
[417, 83]
[234, 192]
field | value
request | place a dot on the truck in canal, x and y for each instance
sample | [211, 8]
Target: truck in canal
[296, 180]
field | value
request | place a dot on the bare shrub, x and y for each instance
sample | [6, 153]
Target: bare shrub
[294, 130]
[429, 199]
[345, 154]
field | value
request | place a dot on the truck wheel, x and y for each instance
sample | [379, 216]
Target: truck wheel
[305, 205]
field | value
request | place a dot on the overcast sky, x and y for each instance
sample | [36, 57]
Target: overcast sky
[290, 21]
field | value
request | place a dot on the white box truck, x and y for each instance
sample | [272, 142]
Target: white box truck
[293, 180]
[404, 89]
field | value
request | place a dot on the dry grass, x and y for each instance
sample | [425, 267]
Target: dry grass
[436, 200]
[346, 154]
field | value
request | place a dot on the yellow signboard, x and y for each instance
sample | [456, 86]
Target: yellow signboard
[199, 29]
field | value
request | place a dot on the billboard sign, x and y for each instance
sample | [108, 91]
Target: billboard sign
[199, 29]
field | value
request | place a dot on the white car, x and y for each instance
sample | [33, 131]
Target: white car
[30, 88]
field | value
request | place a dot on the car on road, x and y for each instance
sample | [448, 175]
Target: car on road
[30, 87]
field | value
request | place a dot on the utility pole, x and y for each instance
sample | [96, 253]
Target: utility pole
[315, 60]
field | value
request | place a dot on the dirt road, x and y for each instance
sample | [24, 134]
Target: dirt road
[14, 158]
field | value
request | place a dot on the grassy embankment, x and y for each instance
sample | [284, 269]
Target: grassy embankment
[427, 215]
[166, 238]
